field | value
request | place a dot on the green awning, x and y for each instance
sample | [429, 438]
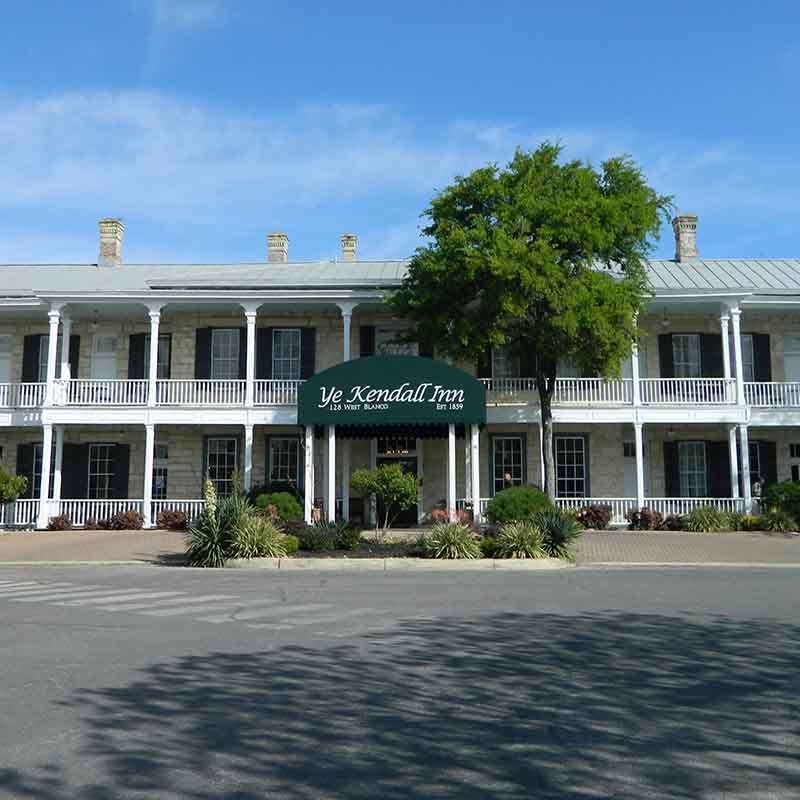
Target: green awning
[392, 390]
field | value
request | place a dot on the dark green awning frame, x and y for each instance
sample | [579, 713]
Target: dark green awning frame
[392, 390]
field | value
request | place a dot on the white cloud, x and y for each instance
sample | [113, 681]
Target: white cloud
[184, 14]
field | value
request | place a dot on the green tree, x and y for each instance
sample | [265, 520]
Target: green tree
[544, 257]
[11, 487]
[396, 489]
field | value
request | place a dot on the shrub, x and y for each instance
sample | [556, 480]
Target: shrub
[782, 497]
[778, 521]
[287, 506]
[751, 522]
[559, 532]
[256, 537]
[126, 521]
[11, 487]
[644, 519]
[734, 521]
[520, 539]
[596, 517]
[705, 519]
[673, 522]
[396, 489]
[518, 502]
[59, 523]
[92, 523]
[291, 544]
[346, 537]
[450, 540]
[171, 519]
[317, 537]
[443, 515]
[488, 546]
[271, 487]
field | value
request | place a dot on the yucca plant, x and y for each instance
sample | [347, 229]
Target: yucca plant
[450, 540]
[559, 532]
[206, 542]
[520, 539]
[778, 522]
[256, 537]
[706, 519]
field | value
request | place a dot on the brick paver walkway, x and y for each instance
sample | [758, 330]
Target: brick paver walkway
[666, 547]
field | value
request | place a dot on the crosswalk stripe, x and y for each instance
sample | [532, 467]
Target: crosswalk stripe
[285, 625]
[45, 595]
[173, 601]
[110, 598]
[25, 585]
[176, 612]
[271, 611]
[10, 584]
[39, 589]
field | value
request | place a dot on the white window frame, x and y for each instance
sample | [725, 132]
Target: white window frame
[501, 466]
[572, 477]
[287, 354]
[748, 358]
[287, 466]
[224, 354]
[160, 468]
[686, 355]
[103, 477]
[164, 356]
[754, 454]
[505, 364]
[224, 486]
[693, 469]
[102, 356]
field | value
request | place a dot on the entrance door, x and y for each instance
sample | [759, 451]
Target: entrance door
[399, 450]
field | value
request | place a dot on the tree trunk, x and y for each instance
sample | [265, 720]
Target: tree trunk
[546, 384]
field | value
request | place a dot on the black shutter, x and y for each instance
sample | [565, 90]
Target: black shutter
[711, 356]
[308, 351]
[30, 358]
[484, 366]
[136, 346]
[74, 355]
[718, 469]
[75, 472]
[25, 466]
[762, 360]
[666, 361]
[202, 353]
[119, 482]
[672, 478]
[366, 336]
[242, 353]
[264, 354]
[768, 456]
[527, 362]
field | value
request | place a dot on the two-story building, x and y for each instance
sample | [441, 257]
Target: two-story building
[129, 384]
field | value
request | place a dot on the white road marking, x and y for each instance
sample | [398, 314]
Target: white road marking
[59, 594]
[110, 598]
[286, 625]
[37, 590]
[176, 612]
[18, 587]
[270, 611]
[171, 602]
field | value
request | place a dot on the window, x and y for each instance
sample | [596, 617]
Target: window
[5, 359]
[504, 364]
[44, 345]
[686, 355]
[160, 471]
[692, 469]
[284, 459]
[222, 462]
[754, 453]
[162, 367]
[101, 471]
[748, 359]
[794, 450]
[571, 467]
[225, 354]
[386, 344]
[104, 357]
[286, 354]
[507, 462]
[36, 477]
[396, 445]
[629, 449]
[567, 368]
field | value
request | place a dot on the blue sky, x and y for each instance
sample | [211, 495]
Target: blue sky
[207, 123]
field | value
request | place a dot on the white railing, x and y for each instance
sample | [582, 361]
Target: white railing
[106, 392]
[678, 506]
[688, 391]
[580, 391]
[78, 511]
[20, 514]
[619, 505]
[509, 390]
[765, 394]
[276, 392]
[207, 392]
[191, 508]
[462, 503]
[22, 395]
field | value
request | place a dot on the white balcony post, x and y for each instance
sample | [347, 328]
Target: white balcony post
[724, 319]
[475, 470]
[147, 494]
[737, 354]
[745, 456]
[152, 376]
[734, 461]
[330, 499]
[250, 314]
[59, 459]
[44, 488]
[637, 394]
[639, 447]
[308, 494]
[54, 317]
[345, 447]
[247, 481]
[451, 471]
[66, 332]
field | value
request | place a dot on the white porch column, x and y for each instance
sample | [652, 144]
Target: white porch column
[724, 319]
[451, 471]
[54, 317]
[66, 332]
[247, 478]
[637, 391]
[468, 464]
[639, 447]
[308, 494]
[475, 472]
[330, 499]
[345, 447]
[44, 488]
[59, 460]
[347, 318]
[250, 363]
[734, 461]
[152, 375]
[745, 455]
[737, 354]
[147, 494]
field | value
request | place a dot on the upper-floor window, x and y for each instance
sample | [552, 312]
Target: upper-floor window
[5, 358]
[504, 363]
[44, 346]
[286, 354]
[104, 356]
[225, 353]
[162, 366]
[686, 355]
[386, 343]
[748, 358]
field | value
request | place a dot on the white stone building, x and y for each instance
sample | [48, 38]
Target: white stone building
[129, 383]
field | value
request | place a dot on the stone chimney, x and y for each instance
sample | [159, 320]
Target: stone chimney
[685, 227]
[111, 233]
[349, 243]
[277, 248]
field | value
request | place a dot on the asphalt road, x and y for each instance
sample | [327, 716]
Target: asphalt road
[155, 682]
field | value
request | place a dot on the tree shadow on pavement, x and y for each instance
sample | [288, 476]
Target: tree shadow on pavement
[512, 706]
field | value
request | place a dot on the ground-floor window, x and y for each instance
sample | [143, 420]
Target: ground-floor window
[101, 471]
[507, 462]
[754, 452]
[571, 466]
[284, 459]
[692, 469]
[160, 471]
[222, 459]
[794, 455]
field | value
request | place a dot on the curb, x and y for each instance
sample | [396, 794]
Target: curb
[715, 564]
[78, 564]
[400, 564]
